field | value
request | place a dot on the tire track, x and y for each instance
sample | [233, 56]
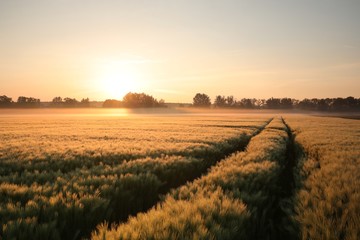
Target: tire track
[286, 227]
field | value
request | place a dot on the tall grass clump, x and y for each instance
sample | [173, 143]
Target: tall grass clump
[237, 199]
[328, 177]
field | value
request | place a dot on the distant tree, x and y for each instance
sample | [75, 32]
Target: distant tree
[70, 102]
[201, 100]
[112, 103]
[28, 102]
[273, 103]
[247, 103]
[260, 103]
[5, 101]
[295, 103]
[230, 101]
[57, 102]
[343, 104]
[307, 104]
[162, 103]
[351, 102]
[140, 100]
[220, 101]
[22, 100]
[286, 103]
[33, 100]
[85, 102]
[322, 105]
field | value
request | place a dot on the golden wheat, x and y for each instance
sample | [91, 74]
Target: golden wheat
[61, 177]
[328, 196]
[212, 207]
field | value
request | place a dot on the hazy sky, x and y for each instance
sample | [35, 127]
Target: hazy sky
[174, 49]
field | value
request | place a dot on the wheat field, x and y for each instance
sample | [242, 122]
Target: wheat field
[179, 176]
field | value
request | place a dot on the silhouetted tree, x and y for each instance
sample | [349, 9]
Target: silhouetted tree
[162, 102]
[201, 100]
[112, 103]
[286, 103]
[140, 100]
[28, 102]
[70, 102]
[21, 100]
[5, 101]
[330, 104]
[352, 102]
[220, 101]
[260, 103]
[85, 102]
[295, 103]
[307, 104]
[322, 105]
[273, 103]
[57, 102]
[230, 101]
[247, 103]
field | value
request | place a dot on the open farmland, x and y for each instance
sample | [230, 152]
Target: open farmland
[179, 176]
[235, 200]
[327, 199]
[61, 176]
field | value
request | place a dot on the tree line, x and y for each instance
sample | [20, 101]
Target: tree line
[142, 100]
[22, 101]
[314, 104]
[130, 100]
[31, 102]
[70, 102]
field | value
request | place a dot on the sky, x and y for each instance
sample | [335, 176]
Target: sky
[175, 49]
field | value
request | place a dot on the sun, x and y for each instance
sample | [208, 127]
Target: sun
[118, 82]
[116, 79]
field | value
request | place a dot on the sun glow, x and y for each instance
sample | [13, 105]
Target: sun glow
[116, 79]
